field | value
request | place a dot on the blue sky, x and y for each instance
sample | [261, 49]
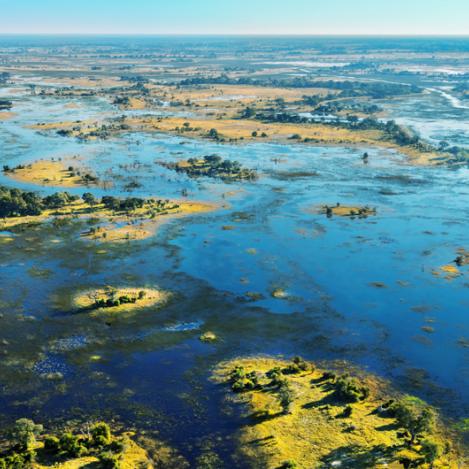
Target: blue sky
[235, 16]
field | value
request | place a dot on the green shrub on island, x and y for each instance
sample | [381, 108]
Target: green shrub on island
[297, 365]
[414, 416]
[349, 389]
[242, 381]
[213, 166]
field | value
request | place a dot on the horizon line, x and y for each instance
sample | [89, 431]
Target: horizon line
[235, 34]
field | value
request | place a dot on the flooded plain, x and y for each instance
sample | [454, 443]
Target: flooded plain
[368, 290]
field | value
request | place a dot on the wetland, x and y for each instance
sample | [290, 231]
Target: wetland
[181, 216]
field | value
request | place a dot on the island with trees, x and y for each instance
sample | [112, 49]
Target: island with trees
[302, 415]
[121, 219]
[118, 299]
[54, 173]
[86, 445]
[213, 166]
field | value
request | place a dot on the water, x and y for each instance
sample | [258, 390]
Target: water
[356, 289]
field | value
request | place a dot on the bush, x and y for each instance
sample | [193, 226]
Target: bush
[109, 460]
[297, 365]
[288, 465]
[242, 381]
[52, 444]
[413, 415]
[349, 389]
[101, 434]
[71, 445]
[24, 433]
[430, 451]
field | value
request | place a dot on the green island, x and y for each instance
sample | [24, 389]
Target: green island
[299, 415]
[90, 445]
[213, 166]
[124, 218]
[347, 211]
[112, 299]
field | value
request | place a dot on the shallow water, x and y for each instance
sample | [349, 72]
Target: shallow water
[357, 289]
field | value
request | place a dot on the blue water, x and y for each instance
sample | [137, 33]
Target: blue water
[328, 268]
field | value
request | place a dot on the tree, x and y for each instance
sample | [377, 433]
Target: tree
[24, 433]
[413, 415]
[430, 451]
[101, 434]
[285, 397]
[213, 133]
[89, 198]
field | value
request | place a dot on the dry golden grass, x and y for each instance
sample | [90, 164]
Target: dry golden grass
[4, 116]
[243, 128]
[137, 225]
[314, 429]
[48, 173]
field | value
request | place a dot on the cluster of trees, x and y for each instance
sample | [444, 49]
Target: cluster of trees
[334, 107]
[121, 300]
[213, 166]
[96, 440]
[375, 90]
[372, 89]
[16, 202]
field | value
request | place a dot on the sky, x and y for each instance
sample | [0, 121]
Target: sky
[408, 17]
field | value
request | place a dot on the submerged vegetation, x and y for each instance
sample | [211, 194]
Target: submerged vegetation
[301, 415]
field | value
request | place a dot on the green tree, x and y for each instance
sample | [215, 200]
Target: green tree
[413, 415]
[89, 198]
[430, 451]
[24, 433]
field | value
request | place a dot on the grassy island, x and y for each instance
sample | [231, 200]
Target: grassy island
[302, 416]
[124, 219]
[213, 166]
[86, 446]
[347, 210]
[51, 173]
[114, 300]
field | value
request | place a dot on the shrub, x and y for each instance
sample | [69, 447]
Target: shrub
[285, 397]
[430, 451]
[349, 389]
[101, 434]
[71, 445]
[413, 415]
[24, 433]
[109, 460]
[52, 444]
[288, 465]
[297, 365]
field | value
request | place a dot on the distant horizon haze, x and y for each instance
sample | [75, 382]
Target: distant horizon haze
[241, 17]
